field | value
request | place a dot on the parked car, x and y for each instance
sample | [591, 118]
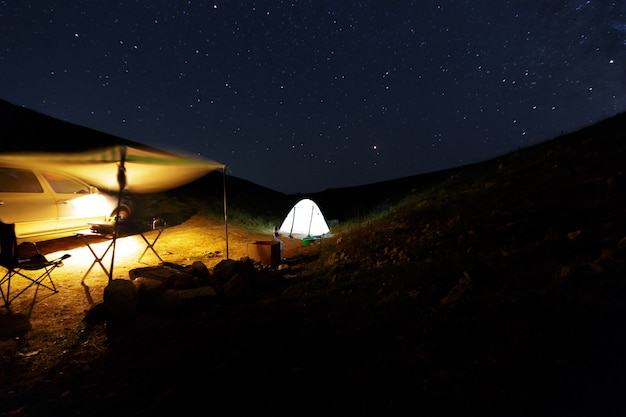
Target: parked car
[47, 205]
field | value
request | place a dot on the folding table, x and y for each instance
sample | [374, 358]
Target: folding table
[86, 236]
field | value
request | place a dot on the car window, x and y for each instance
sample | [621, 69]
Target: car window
[18, 180]
[63, 185]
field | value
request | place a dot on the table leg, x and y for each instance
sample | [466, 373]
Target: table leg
[151, 245]
[97, 259]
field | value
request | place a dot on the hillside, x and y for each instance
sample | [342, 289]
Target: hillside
[495, 288]
[603, 140]
[28, 130]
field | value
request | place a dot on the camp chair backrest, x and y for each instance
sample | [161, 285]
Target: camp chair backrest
[8, 246]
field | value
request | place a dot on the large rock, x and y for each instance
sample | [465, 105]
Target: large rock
[172, 278]
[228, 268]
[120, 299]
[191, 298]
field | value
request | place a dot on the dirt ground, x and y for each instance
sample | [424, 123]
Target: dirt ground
[44, 321]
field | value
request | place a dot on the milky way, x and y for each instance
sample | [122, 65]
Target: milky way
[301, 96]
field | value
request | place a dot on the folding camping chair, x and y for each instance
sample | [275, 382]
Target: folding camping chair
[19, 260]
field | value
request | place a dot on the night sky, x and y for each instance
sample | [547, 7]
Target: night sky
[302, 96]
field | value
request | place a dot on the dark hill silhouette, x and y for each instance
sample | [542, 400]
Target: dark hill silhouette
[606, 137]
[336, 203]
[29, 130]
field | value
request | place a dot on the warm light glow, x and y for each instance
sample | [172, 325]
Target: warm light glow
[92, 205]
[127, 252]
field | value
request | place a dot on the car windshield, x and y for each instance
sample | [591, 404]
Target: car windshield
[64, 185]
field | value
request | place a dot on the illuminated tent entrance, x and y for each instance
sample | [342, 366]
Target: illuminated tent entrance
[125, 168]
[304, 218]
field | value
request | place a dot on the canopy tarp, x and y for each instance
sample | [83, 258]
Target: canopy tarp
[147, 170]
[124, 168]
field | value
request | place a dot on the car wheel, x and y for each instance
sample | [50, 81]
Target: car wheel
[124, 214]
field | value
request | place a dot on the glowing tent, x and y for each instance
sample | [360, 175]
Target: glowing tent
[304, 218]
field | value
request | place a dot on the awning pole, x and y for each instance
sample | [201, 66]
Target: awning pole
[121, 180]
[225, 210]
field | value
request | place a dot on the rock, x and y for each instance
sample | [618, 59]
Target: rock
[120, 299]
[149, 286]
[14, 325]
[181, 299]
[95, 313]
[458, 291]
[172, 277]
[199, 269]
[228, 268]
[237, 288]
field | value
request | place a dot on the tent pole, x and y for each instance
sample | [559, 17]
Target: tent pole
[121, 180]
[310, 221]
[225, 209]
[293, 220]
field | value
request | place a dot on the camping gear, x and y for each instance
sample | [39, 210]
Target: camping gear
[22, 260]
[304, 218]
[135, 169]
[265, 251]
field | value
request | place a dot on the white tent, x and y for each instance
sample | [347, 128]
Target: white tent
[305, 218]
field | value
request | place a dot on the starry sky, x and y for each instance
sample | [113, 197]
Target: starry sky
[305, 95]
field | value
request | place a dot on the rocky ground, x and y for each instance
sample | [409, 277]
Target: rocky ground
[46, 335]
